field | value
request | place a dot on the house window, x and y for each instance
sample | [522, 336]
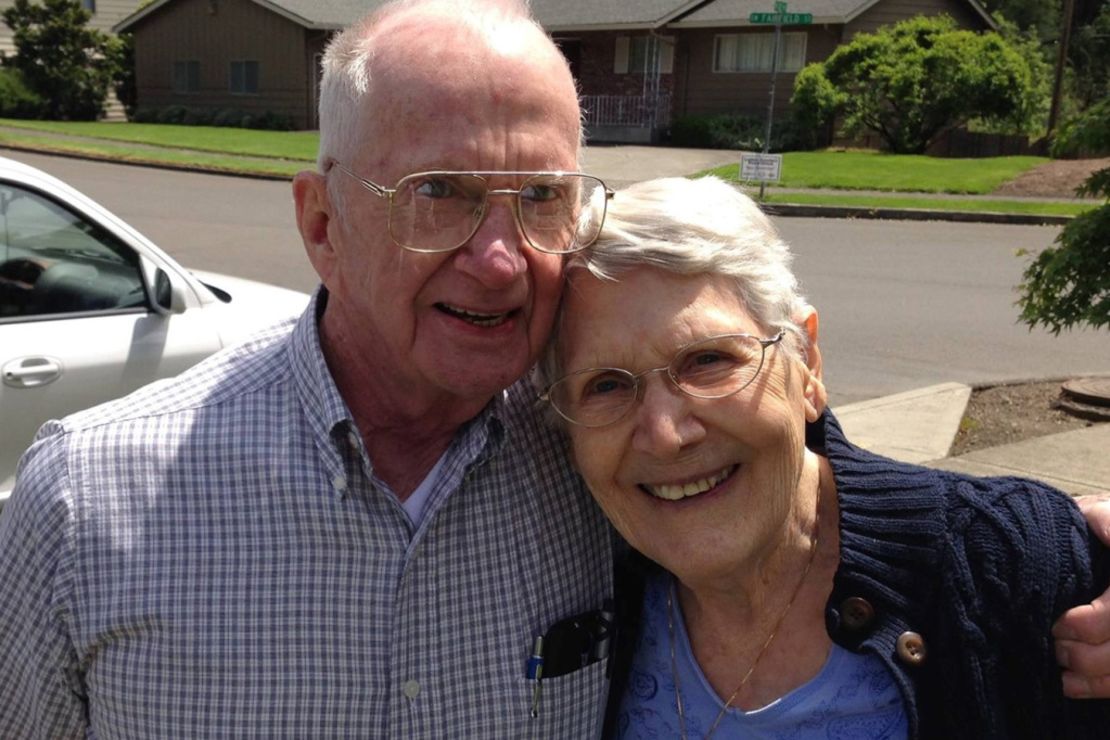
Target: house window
[643, 55]
[186, 77]
[244, 78]
[752, 52]
[89, 5]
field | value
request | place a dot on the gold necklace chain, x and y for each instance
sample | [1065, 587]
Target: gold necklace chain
[762, 650]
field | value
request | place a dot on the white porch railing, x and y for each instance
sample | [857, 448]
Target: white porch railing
[636, 111]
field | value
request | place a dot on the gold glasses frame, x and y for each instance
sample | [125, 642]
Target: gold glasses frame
[483, 210]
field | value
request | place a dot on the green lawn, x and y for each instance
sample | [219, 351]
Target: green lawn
[282, 153]
[904, 172]
[117, 152]
[295, 145]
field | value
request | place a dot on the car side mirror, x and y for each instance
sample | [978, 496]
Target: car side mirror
[165, 297]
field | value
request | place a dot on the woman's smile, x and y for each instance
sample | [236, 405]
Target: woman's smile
[695, 487]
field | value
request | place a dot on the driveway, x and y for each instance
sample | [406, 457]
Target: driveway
[620, 165]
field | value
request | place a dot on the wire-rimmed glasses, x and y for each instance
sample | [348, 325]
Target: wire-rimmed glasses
[713, 367]
[440, 210]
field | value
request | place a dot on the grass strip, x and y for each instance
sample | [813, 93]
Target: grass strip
[111, 152]
[292, 145]
[1039, 208]
[842, 170]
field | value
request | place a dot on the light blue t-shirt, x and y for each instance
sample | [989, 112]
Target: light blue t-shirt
[853, 696]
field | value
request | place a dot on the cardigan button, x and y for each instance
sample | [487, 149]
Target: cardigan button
[911, 648]
[857, 613]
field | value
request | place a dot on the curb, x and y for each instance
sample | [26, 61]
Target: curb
[911, 214]
[982, 385]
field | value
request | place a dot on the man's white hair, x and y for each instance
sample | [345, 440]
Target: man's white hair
[351, 58]
[692, 227]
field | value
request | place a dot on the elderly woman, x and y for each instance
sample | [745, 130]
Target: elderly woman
[794, 585]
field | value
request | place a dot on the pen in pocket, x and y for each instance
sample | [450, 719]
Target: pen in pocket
[534, 672]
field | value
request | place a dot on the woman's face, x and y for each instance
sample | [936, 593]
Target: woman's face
[737, 459]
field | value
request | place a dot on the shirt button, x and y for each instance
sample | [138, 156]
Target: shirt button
[339, 483]
[911, 648]
[857, 613]
[411, 689]
[352, 439]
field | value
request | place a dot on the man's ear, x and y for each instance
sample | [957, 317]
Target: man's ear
[815, 394]
[314, 214]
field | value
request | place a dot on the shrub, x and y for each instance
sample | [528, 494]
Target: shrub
[172, 114]
[913, 81]
[16, 99]
[735, 131]
[1083, 136]
[224, 117]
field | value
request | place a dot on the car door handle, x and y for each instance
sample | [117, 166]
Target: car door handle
[31, 372]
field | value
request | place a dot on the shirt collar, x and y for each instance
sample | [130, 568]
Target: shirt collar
[328, 415]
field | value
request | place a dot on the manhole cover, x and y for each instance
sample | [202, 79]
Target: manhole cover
[1095, 391]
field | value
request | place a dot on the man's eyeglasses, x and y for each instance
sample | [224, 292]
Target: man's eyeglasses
[713, 367]
[558, 212]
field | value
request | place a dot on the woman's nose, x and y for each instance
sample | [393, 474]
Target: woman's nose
[665, 422]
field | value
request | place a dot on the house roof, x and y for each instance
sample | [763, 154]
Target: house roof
[736, 12]
[576, 15]
[315, 14]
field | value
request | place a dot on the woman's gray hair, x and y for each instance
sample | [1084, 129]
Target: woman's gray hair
[692, 227]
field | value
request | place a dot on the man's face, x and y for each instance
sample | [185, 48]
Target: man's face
[468, 323]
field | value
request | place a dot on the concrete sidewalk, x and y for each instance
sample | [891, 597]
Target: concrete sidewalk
[919, 426]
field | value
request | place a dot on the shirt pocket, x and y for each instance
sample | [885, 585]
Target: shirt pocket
[569, 706]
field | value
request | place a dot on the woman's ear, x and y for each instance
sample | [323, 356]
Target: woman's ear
[816, 396]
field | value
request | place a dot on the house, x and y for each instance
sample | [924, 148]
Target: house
[639, 63]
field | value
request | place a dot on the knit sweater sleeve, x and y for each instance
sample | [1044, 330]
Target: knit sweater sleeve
[1016, 555]
[980, 568]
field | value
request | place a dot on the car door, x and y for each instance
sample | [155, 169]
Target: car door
[76, 323]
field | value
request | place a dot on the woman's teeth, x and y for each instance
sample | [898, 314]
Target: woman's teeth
[478, 319]
[685, 490]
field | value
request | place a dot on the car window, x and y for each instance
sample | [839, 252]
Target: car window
[53, 261]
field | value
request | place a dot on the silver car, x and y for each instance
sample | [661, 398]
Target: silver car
[91, 310]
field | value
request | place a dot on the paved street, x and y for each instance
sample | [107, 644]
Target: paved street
[903, 304]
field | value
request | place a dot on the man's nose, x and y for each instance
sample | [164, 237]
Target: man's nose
[665, 424]
[495, 254]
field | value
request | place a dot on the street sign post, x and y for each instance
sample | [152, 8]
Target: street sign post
[778, 18]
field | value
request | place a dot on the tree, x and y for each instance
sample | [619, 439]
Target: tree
[1069, 284]
[60, 58]
[919, 78]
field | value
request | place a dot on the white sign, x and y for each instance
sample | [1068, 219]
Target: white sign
[762, 167]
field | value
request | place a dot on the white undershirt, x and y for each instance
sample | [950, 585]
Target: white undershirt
[417, 501]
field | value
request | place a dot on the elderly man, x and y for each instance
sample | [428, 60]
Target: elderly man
[347, 528]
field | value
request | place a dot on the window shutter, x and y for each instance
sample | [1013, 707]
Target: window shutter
[666, 55]
[620, 61]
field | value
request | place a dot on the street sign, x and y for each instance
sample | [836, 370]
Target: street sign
[785, 19]
[761, 167]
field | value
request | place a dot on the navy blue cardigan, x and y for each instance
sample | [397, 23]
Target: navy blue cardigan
[954, 583]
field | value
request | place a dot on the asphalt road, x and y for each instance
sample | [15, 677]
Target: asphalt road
[902, 304]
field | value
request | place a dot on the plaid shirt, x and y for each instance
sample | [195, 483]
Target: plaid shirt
[213, 557]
